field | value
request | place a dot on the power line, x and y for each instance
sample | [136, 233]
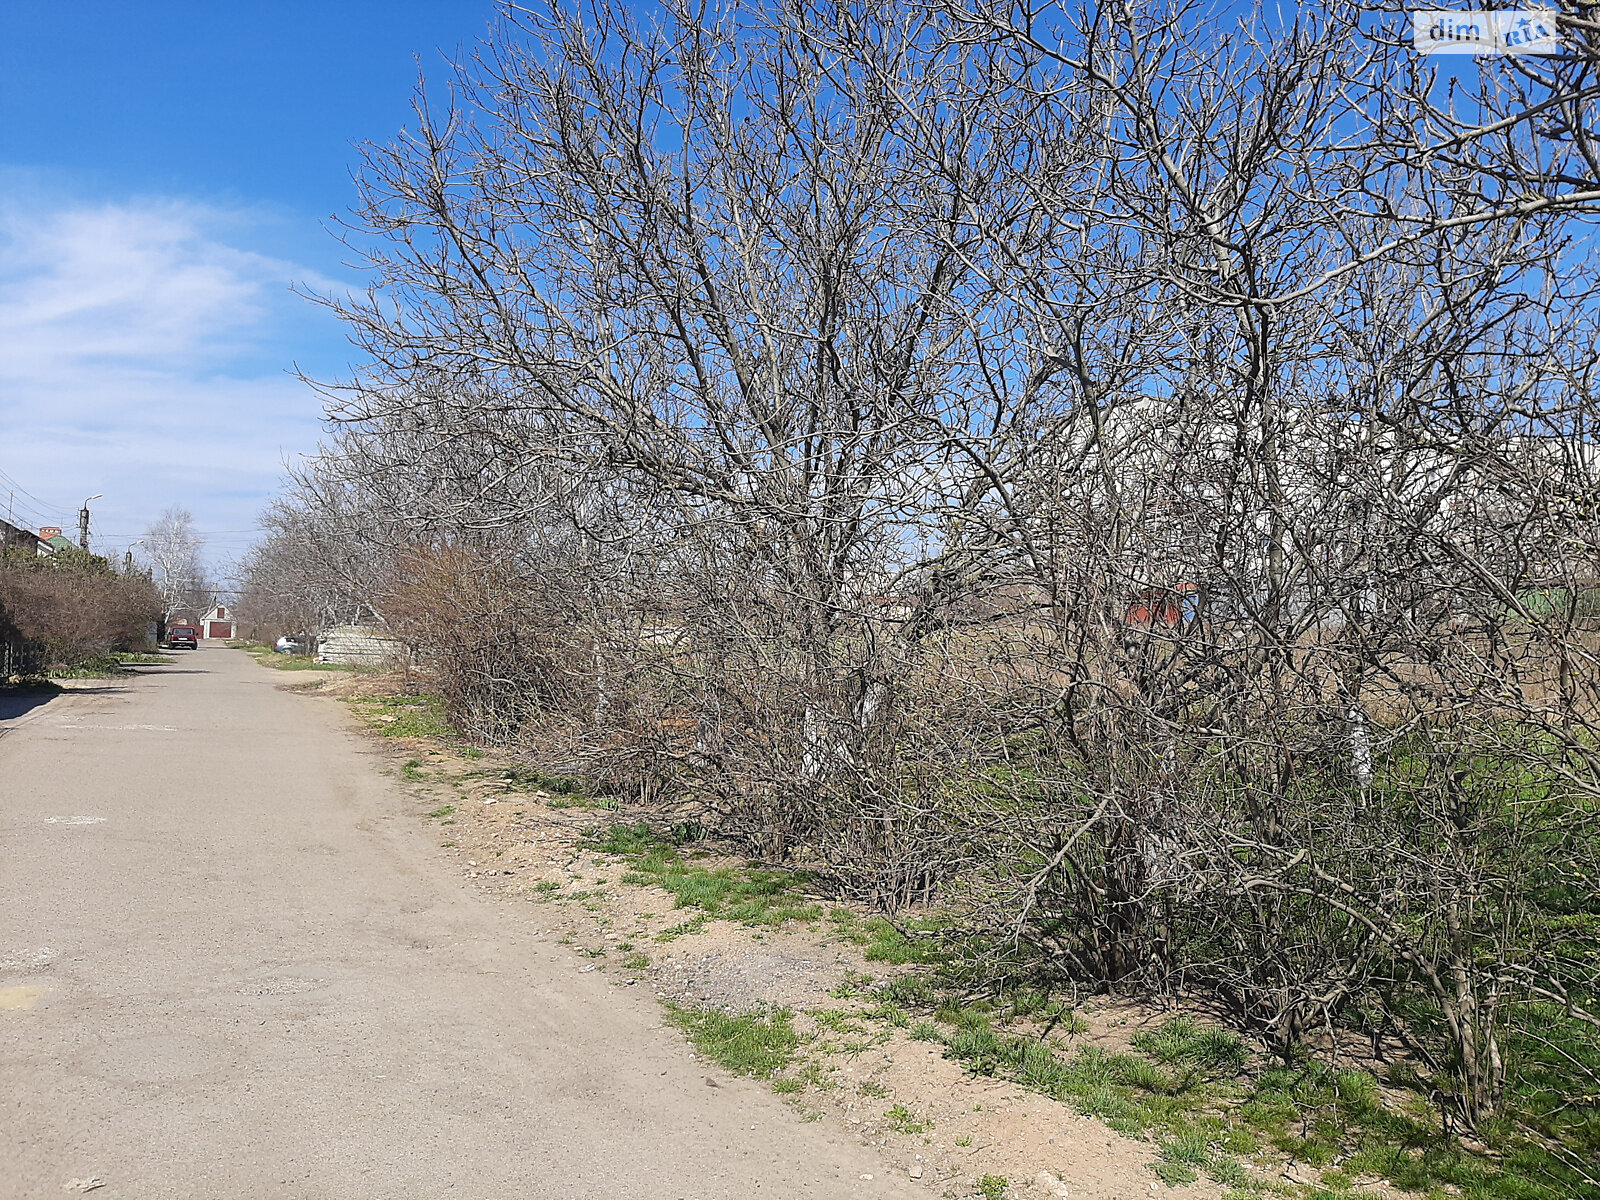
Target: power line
[12, 485]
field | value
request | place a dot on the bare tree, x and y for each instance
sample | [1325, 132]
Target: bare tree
[173, 549]
[1100, 461]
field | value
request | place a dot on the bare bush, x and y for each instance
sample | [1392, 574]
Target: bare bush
[74, 606]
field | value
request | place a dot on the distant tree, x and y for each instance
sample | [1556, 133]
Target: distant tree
[173, 547]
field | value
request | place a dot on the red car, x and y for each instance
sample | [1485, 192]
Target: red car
[182, 637]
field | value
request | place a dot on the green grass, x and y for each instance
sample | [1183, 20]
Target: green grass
[1137, 1094]
[141, 658]
[412, 769]
[886, 944]
[1189, 1087]
[902, 1120]
[438, 813]
[637, 961]
[749, 895]
[993, 1187]
[755, 1043]
[106, 666]
[691, 926]
[296, 662]
[526, 779]
[1193, 1050]
[404, 716]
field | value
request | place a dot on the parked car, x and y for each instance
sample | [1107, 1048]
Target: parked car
[290, 645]
[182, 637]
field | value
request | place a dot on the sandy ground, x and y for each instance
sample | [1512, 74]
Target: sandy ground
[234, 962]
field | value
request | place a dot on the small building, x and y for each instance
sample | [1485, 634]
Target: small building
[358, 645]
[1164, 607]
[13, 537]
[217, 624]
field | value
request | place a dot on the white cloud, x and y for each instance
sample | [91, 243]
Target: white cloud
[143, 355]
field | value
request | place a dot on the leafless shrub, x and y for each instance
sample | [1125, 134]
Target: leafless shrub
[75, 606]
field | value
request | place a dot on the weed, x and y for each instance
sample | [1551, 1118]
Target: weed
[448, 845]
[886, 944]
[411, 769]
[746, 894]
[926, 1031]
[546, 885]
[106, 666]
[1180, 1041]
[787, 1087]
[963, 1140]
[872, 1088]
[439, 813]
[896, 1016]
[902, 1120]
[1181, 1159]
[141, 658]
[836, 1020]
[637, 961]
[908, 991]
[993, 1187]
[755, 1043]
[404, 716]
[854, 984]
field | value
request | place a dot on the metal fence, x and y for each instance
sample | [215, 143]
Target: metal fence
[20, 658]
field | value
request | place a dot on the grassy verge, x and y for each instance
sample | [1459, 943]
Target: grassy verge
[106, 666]
[1211, 1107]
[559, 791]
[268, 657]
[405, 716]
[747, 894]
[756, 1043]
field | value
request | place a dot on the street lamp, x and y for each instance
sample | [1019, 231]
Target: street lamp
[83, 522]
[127, 562]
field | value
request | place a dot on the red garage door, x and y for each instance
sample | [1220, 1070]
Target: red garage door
[219, 629]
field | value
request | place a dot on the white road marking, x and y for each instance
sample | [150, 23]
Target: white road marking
[155, 728]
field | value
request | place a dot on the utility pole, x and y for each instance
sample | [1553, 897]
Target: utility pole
[83, 523]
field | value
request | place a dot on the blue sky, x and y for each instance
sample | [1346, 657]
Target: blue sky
[166, 172]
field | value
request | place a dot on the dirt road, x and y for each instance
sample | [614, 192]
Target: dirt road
[230, 967]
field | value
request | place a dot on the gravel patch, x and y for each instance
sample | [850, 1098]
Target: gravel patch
[738, 980]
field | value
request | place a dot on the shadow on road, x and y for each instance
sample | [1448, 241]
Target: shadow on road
[20, 704]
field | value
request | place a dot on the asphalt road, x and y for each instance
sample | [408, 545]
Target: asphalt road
[232, 966]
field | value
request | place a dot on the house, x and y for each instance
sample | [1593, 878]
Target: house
[217, 624]
[51, 540]
[13, 537]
